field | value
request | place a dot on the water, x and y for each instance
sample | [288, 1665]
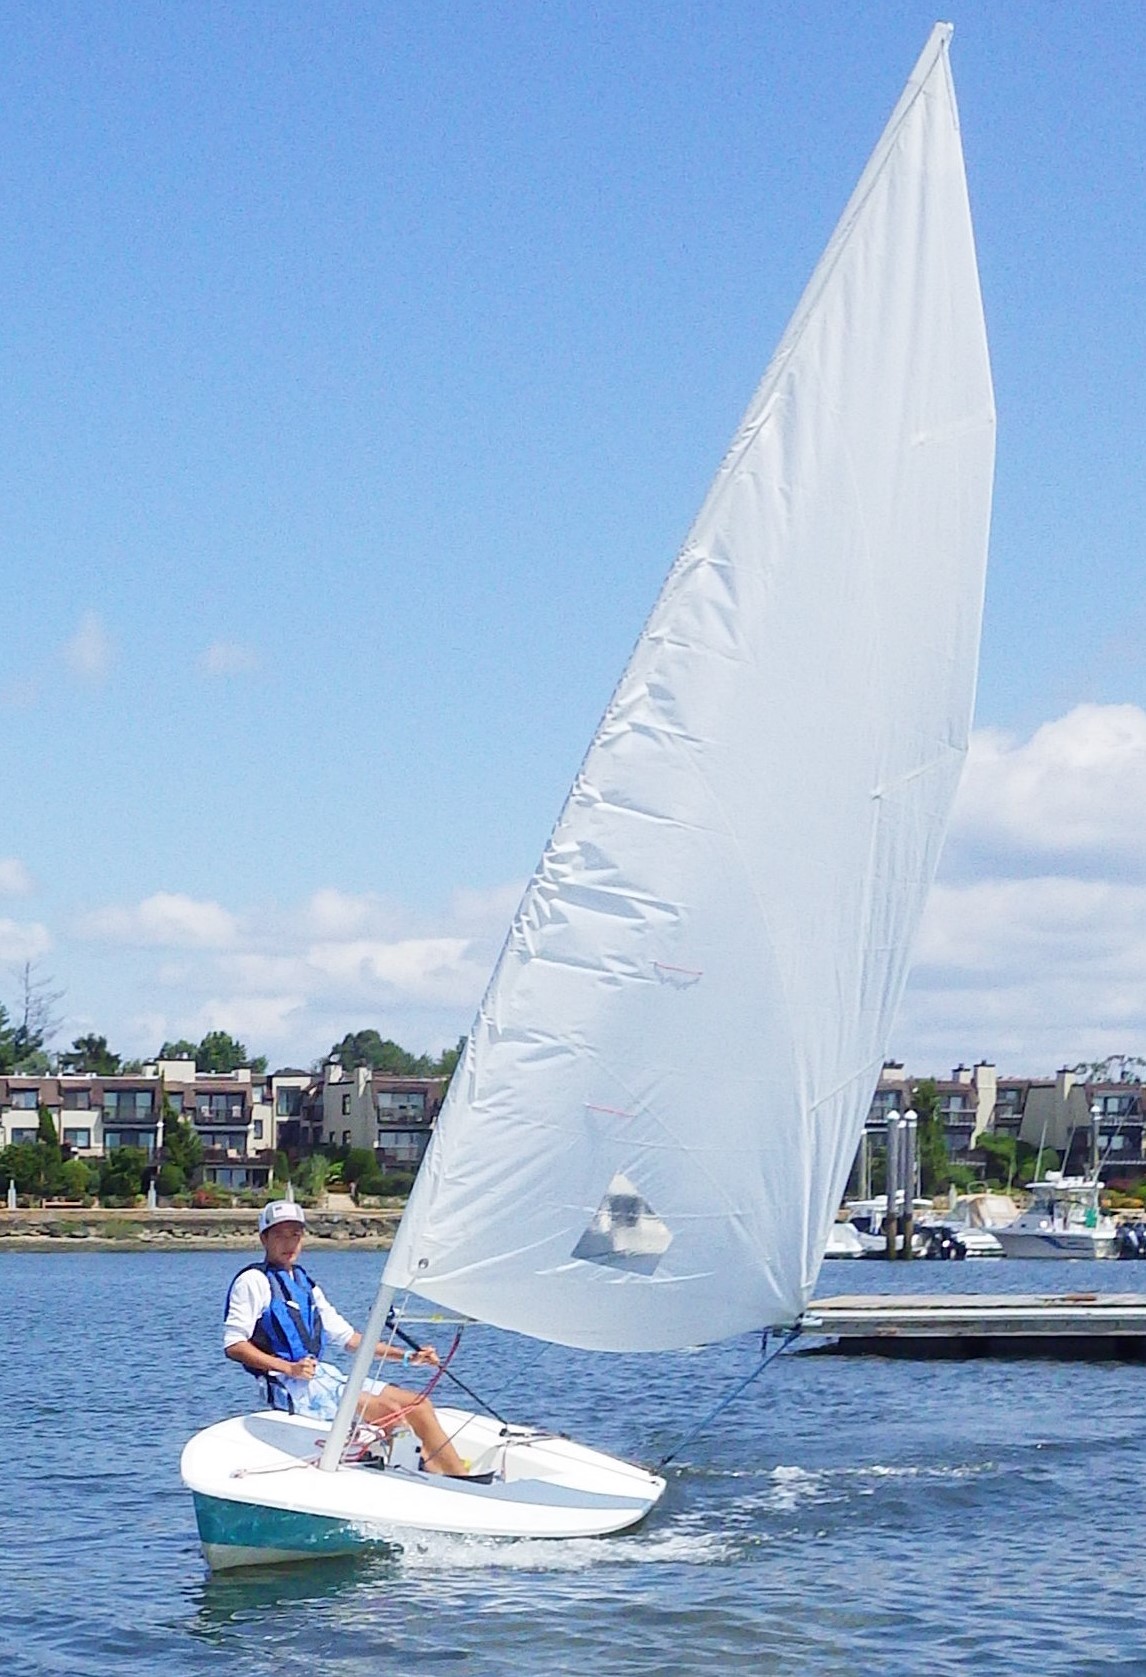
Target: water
[846, 1515]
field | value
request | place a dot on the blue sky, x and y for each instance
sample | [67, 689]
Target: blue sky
[363, 368]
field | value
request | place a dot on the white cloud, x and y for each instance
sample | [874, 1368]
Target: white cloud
[419, 969]
[15, 880]
[1032, 951]
[488, 913]
[254, 1019]
[168, 919]
[338, 914]
[88, 653]
[1074, 792]
[224, 658]
[23, 940]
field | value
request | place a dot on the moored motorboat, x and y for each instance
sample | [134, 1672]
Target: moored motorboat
[1063, 1220]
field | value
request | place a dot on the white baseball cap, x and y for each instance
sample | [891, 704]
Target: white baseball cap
[280, 1211]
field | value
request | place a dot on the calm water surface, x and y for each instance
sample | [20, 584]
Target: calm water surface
[847, 1515]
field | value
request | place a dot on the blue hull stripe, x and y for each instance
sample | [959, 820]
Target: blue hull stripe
[242, 1525]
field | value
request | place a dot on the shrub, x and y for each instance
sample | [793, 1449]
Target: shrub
[78, 1179]
[209, 1196]
[172, 1179]
[121, 1175]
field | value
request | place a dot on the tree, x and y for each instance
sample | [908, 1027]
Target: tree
[38, 1020]
[7, 1042]
[121, 1175]
[218, 1051]
[181, 1050]
[1116, 1068]
[367, 1048]
[358, 1163]
[447, 1061]
[931, 1143]
[1001, 1155]
[182, 1145]
[91, 1053]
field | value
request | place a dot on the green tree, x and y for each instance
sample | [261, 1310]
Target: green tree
[359, 1162]
[1001, 1155]
[91, 1053]
[312, 1175]
[447, 1061]
[121, 1175]
[23, 1164]
[220, 1052]
[181, 1050]
[78, 1179]
[170, 1179]
[7, 1042]
[931, 1143]
[182, 1145]
[367, 1048]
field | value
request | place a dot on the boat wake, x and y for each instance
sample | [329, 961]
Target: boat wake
[793, 1488]
[431, 1552]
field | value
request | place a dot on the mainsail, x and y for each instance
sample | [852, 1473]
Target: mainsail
[663, 1091]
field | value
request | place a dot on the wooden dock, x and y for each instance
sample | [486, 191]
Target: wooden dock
[1086, 1326]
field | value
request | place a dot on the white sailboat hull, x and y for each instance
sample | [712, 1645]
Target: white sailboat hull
[260, 1497]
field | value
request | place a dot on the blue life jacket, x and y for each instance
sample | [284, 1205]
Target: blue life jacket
[290, 1327]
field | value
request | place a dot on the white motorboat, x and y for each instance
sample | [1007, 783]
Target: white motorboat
[744, 858]
[975, 1218]
[1063, 1220]
[869, 1218]
[844, 1242]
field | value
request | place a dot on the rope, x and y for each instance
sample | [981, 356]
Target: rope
[409, 1339]
[393, 1417]
[766, 1357]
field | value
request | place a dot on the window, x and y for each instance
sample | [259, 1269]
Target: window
[258, 1127]
[218, 1108]
[19, 1136]
[129, 1104]
[26, 1100]
[398, 1103]
[77, 1100]
[175, 1100]
[288, 1103]
[78, 1138]
[346, 1106]
[129, 1138]
[346, 1138]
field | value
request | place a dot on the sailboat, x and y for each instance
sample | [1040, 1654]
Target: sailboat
[652, 1124]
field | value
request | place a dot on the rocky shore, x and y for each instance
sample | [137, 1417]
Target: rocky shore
[59, 1228]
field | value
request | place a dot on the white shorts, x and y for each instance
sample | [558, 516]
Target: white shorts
[318, 1397]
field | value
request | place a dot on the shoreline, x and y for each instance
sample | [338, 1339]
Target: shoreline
[96, 1229]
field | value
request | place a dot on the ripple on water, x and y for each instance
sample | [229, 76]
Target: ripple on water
[963, 1515]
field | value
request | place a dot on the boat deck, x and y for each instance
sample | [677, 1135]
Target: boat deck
[1068, 1325]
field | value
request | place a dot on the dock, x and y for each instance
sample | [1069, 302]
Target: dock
[1067, 1326]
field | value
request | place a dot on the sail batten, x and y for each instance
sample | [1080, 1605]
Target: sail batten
[662, 1094]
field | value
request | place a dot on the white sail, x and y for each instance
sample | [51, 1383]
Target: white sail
[665, 1086]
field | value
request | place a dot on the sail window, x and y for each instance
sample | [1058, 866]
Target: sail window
[626, 1232]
